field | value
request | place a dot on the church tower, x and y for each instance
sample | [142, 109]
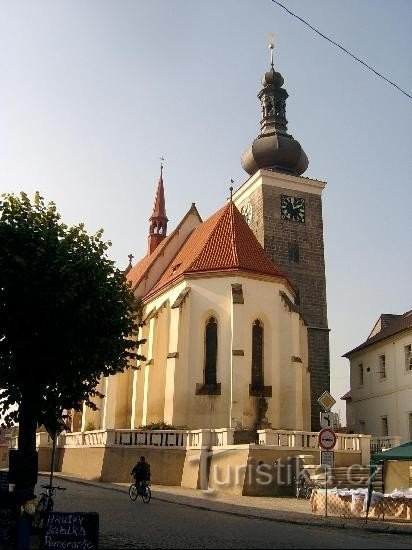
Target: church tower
[284, 210]
[158, 220]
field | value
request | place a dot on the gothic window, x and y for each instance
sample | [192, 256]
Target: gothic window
[257, 355]
[211, 351]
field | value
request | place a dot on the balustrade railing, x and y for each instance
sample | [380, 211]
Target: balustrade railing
[155, 438]
[151, 438]
[379, 444]
[290, 439]
[287, 439]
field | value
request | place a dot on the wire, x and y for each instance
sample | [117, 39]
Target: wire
[342, 48]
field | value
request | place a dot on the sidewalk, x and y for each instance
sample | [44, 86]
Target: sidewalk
[289, 510]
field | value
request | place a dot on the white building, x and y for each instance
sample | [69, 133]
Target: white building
[380, 400]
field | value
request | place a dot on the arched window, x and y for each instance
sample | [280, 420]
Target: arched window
[210, 352]
[257, 356]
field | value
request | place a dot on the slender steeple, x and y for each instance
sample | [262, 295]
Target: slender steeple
[274, 149]
[158, 220]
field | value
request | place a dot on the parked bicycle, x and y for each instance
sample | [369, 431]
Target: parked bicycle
[142, 489]
[45, 504]
[304, 486]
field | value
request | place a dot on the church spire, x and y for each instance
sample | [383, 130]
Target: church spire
[274, 149]
[158, 220]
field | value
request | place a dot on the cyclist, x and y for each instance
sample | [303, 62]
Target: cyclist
[141, 473]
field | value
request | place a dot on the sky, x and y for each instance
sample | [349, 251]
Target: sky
[94, 92]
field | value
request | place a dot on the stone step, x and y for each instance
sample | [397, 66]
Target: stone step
[345, 477]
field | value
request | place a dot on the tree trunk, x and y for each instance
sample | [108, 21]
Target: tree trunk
[26, 467]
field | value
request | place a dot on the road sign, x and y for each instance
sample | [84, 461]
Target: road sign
[327, 458]
[326, 419]
[327, 439]
[326, 401]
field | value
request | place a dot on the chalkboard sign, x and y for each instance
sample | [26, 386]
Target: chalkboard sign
[9, 519]
[4, 481]
[71, 530]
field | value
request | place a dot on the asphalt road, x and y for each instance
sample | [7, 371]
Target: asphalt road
[126, 524]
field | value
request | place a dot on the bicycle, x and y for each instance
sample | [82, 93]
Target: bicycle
[304, 486]
[45, 504]
[140, 488]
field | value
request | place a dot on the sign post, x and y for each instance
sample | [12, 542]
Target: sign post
[326, 438]
[326, 401]
[327, 458]
[326, 419]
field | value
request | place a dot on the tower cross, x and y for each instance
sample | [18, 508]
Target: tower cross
[271, 46]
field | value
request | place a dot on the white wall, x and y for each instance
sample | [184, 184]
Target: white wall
[379, 397]
[284, 337]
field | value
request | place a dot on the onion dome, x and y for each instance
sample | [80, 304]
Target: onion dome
[274, 148]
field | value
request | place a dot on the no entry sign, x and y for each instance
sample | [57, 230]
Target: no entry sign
[327, 439]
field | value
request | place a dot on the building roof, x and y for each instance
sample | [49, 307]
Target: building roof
[391, 325]
[347, 396]
[138, 271]
[223, 243]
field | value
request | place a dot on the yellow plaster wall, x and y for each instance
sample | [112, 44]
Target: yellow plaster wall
[114, 464]
[397, 475]
[228, 468]
[124, 398]
[83, 462]
[284, 337]
[157, 370]
[191, 469]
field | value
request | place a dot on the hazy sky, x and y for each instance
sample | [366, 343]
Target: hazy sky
[92, 93]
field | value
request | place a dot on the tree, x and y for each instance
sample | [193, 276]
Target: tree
[67, 316]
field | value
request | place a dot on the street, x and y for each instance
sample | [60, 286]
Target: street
[126, 524]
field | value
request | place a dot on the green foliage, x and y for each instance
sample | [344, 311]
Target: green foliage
[157, 426]
[67, 314]
[89, 427]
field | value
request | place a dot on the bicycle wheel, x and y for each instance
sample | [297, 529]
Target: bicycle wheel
[146, 494]
[44, 506]
[133, 492]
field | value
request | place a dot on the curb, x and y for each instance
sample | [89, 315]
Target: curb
[236, 510]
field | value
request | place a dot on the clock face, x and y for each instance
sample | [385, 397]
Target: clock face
[247, 212]
[292, 208]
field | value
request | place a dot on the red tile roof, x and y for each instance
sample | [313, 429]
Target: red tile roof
[398, 324]
[137, 272]
[224, 242]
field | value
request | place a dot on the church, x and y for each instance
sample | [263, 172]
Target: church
[234, 307]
